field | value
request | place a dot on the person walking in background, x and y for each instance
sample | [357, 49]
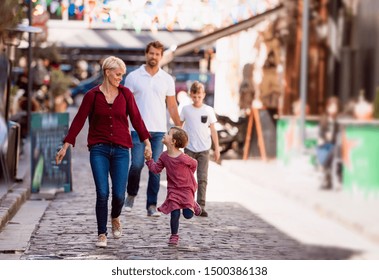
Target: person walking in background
[108, 107]
[199, 120]
[152, 88]
[181, 182]
[327, 141]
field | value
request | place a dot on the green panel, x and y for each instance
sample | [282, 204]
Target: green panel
[282, 127]
[288, 135]
[361, 167]
[49, 120]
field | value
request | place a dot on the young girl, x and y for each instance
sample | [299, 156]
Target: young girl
[181, 183]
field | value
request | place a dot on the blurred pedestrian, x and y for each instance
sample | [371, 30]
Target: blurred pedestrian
[152, 88]
[199, 122]
[327, 141]
[181, 182]
[183, 100]
[108, 107]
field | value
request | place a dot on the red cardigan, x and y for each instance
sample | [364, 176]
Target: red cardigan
[109, 122]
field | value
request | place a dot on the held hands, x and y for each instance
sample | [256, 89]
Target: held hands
[148, 153]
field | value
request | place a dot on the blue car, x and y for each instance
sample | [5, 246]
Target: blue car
[77, 92]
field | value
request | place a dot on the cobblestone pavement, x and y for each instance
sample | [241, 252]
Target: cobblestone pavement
[67, 230]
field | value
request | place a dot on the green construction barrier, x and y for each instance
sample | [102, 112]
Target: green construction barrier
[360, 155]
[288, 138]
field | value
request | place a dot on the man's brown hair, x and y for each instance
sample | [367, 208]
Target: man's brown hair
[155, 44]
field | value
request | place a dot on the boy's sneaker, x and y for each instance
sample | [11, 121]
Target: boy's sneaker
[203, 213]
[129, 202]
[152, 211]
[197, 209]
[116, 227]
[174, 240]
[101, 241]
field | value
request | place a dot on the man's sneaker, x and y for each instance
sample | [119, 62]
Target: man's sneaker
[129, 202]
[174, 240]
[116, 227]
[197, 209]
[101, 241]
[152, 211]
[203, 213]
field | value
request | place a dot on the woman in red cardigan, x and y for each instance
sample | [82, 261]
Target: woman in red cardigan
[108, 107]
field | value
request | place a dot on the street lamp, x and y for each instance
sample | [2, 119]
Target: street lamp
[12, 39]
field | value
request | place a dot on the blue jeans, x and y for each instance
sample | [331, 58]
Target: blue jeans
[108, 160]
[175, 215]
[137, 164]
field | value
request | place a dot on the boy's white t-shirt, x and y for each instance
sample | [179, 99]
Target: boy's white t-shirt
[196, 124]
[150, 94]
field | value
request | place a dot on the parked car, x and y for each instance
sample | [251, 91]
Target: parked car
[79, 90]
[184, 80]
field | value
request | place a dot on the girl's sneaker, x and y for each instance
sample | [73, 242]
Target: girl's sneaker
[197, 209]
[174, 240]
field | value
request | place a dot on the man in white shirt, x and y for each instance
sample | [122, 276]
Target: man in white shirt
[153, 89]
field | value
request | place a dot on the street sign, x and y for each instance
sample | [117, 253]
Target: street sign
[47, 132]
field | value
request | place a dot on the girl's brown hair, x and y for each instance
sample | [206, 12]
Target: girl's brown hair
[180, 137]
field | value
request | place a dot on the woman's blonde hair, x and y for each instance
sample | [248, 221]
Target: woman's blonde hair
[113, 62]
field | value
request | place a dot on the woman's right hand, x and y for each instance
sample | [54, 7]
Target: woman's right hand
[61, 153]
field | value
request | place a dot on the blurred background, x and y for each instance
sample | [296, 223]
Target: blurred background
[269, 68]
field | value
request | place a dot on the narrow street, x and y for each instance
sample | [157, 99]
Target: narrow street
[247, 221]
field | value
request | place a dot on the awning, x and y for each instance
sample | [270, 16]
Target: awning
[75, 35]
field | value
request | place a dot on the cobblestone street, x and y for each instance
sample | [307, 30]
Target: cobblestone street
[252, 216]
[67, 229]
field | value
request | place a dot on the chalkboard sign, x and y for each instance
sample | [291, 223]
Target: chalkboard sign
[261, 134]
[47, 131]
[268, 125]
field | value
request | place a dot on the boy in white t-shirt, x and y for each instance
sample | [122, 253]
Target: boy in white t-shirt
[199, 120]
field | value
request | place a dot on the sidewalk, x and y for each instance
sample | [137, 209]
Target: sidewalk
[269, 189]
[301, 184]
[13, 197]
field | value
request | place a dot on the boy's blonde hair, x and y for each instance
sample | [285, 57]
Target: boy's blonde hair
[180, 137]
[196, 86]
